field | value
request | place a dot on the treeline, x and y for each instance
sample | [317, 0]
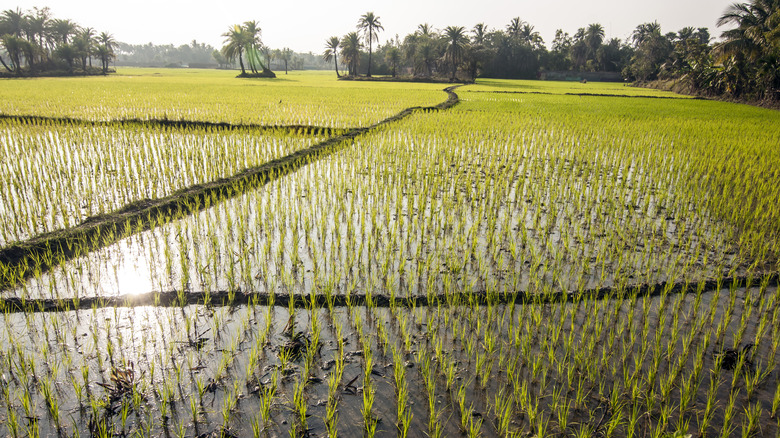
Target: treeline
[194, 54]
[201, 55]
[744, 63]
[35, 43]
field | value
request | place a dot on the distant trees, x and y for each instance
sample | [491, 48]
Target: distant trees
[744, 64]
[33, 42]
[167, 55]
[517, 51]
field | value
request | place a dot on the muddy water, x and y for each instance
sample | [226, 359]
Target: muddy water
[289, 237]
[555, 351]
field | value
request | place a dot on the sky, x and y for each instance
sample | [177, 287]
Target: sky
[303, 25]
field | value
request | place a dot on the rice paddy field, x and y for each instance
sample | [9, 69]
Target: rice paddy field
[302, 257]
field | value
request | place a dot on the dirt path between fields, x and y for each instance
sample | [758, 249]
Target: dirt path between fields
[41, 253]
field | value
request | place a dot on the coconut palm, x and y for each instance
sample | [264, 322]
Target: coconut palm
[84, 43]
[425, 30]
[236, 41]
[480, 33]
[393, 57]
[350, 52]
[252, 33]
[12, 22]
[15, 46]
[36, 25]
[284, 55]
[105, 50]
[515, 27]
[751, 49]
[425, 56]
[369, 24]
[477, 52]
[456, 46]
[757, 27]
[644, 31]
[594, 36]
[61, 30]
[331, 52]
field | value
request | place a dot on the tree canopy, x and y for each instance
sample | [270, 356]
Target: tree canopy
[35, 43]
[745, 63]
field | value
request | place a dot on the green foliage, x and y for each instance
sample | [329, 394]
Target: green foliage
[37, 44]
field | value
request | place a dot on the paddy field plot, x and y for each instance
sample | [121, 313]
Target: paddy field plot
[56, 175]
[539, 264]
[300, 98]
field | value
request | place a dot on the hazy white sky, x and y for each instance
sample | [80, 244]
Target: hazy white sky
[303, 25]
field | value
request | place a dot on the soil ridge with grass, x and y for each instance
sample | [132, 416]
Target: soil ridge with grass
[412, 79]
[21, 260]
[235, 298]
[177, 124]
[629, 96]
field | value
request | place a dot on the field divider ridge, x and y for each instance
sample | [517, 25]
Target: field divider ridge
[21, 260]
[227, 298]
[626, 96]
[304, 130]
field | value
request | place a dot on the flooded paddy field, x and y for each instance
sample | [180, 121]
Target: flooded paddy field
[493, 264]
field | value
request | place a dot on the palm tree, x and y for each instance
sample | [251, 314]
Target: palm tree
[456, 45]
[480, 33]
[331, 52]
[252, 35]
[652, 50]
[350, 52]
[105, 49]
[62, 30]
[594, 36]
[85, 44]
[13, 22]
[235, 43]
[425, 56]
[644, 31]
[67, 53]
[369, 24]
[752, 49]
[15, 47]
[424, 29]
[515, 27]
[477, 53]
[284, 55]
[530, 36]
[756, 30]
[393, 57]
[36, 26]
